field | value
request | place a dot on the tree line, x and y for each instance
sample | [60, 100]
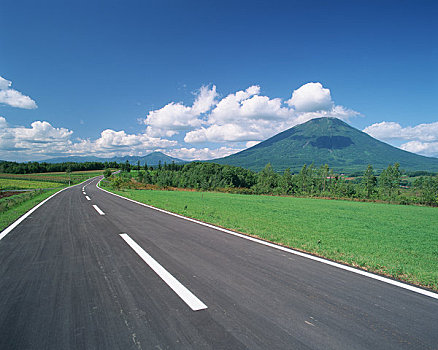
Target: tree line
[43, 167]
[311, 181]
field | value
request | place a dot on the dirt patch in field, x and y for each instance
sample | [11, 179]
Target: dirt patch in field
[8, 194]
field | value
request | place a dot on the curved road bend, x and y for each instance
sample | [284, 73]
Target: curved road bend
[70, 280]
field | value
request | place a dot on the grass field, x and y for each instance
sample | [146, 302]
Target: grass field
[12, 207]
[22, 203]
[18, 184]
[59, 177]
[394, 240]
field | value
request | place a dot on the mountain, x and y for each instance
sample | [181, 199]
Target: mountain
[326, 141]
[151, 159]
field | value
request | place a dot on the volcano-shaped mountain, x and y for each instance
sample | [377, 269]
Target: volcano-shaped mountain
[326, 141]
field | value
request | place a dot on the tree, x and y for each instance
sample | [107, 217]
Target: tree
[107, 173]
[389, 179]
[127, 166]
[287, 183]
[369, 181]
[429, 190]
[267, 180]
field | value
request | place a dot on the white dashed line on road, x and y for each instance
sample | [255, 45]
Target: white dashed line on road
[187, 296]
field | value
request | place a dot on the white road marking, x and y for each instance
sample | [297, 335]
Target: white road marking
[27, 214]
[98, 209]
[83, 193]
[88, 198]
[187, 296]
[292, 251]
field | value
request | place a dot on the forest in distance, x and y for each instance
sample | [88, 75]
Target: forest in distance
[391, 185]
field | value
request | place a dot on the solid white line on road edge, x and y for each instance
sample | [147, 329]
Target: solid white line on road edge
[98, 209]
[24, 216]
[187, 296]
[290, 250]
[88, 198]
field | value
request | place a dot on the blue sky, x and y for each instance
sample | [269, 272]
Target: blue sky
[203, 79]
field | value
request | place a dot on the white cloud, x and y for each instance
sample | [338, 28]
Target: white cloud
[175, 117]
[205, 100]
[425, 148]
[201, 153]
[392, 130]
[251, 143]
[43, 140]
[248, 116]
[222, 133]
[311, 97]
[40, 138]
[423, 138]
[4, 84]
[242, 117]
[13, 97]
[3, 123]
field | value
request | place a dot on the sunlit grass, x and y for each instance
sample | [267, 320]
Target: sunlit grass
[14, 207]
[19, 184]
[398, 241]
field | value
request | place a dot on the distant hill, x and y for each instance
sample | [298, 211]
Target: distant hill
[326, 141]
[151, 159]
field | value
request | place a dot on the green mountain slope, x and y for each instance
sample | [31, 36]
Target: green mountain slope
[326, 141]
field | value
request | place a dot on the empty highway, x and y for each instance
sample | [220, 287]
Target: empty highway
[89, 270]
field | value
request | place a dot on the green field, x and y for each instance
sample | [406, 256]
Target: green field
[18, 184]
[11, 208]
[394, 240]
[58, 177]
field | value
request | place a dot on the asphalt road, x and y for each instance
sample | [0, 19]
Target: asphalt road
[70, 280]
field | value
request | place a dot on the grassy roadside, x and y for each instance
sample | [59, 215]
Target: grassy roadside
[11, 208]
[14, 184]
[11, 214]
[55, 177]
[394, 240]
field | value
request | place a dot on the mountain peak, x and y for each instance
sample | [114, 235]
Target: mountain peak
[326, 141]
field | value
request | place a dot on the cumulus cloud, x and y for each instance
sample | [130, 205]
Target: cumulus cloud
[248, 104]
[13, 97]
[423, 138]
[248, 116]
[222, 133]
[311, 97]
[393, 130]
[4, 84]
[425, 148]
[241, 118]
[201, 153]
[176, 117]
[41, 139]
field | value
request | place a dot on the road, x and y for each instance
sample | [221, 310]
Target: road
[70, 280]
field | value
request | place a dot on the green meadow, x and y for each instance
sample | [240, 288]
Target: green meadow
[17, 204]
[54, 177]
[11, 208]
[19, 184]
[393, 240]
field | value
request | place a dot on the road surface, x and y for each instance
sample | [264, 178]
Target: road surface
[89, 270]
